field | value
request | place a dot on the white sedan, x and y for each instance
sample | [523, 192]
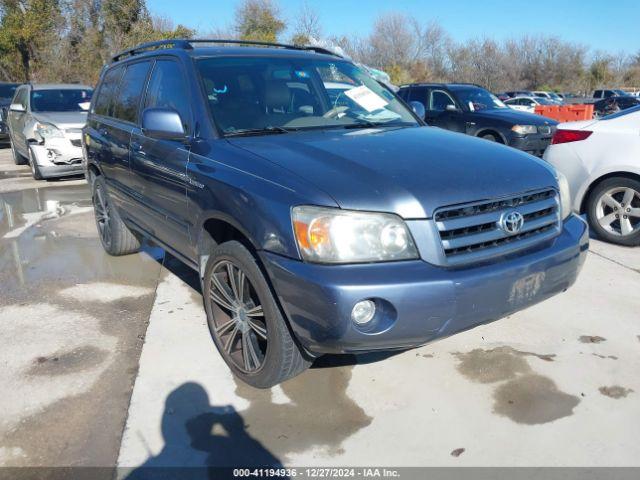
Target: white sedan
[528, 104]
[601, 160]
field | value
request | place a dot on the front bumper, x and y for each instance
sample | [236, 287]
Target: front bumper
[535, 144]
[58, 157]
[419, 302]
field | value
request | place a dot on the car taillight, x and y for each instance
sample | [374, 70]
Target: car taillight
[566, 136]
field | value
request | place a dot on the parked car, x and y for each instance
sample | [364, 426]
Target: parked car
[609, 93]
[6, 94]
[520, 93]
[554, 97]
[600, 160]
[318, 226]
[610, 105]
[503, 96]
[471, 109]
[528, 104]
[45, 125]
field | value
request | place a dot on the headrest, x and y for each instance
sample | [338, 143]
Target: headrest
[277, 94]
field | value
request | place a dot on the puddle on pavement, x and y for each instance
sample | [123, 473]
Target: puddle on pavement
[615, 391]
[521, 394]
[318, 413]
[533, 399]
[48, 239]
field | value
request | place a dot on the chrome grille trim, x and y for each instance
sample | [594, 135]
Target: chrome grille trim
[471, 232]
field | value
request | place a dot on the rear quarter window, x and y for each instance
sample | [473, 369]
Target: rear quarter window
[107, 91]
[126, 100]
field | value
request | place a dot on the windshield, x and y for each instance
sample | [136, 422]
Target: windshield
[64, 100]
[258, 94]
[477, 99]
[7, 91]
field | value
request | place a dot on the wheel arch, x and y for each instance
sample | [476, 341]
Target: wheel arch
[492, 131]
[587, 193]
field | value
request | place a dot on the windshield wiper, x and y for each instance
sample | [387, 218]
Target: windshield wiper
[368, 124]
[258, 131]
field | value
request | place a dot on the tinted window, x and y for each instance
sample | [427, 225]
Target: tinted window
[167, 89]
[127, 100]
[419, 94]
[440, 100]
[7, 91]
[63, 100]
[107, 91]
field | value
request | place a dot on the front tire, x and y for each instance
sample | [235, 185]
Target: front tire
[244, 319]
[115, 236]
[613, 210]
[35, 170]
[489, 137]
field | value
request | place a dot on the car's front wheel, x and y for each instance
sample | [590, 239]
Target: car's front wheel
[245, 321]
[115, 236]
[35, 170]
[614, 210]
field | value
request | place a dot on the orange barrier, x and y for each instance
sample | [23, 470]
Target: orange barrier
[566, 113]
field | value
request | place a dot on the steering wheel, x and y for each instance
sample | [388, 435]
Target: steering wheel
[334, 112]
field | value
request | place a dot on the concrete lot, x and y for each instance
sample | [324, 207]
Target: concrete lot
[555, 385]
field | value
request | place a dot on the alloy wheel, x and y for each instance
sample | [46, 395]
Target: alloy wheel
[103, 215]
[618, 211]
[238, 319]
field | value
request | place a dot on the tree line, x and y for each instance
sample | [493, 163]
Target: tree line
[70, 41]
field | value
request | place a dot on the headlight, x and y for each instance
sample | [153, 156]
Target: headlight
[47, 130]
[524, 129]
[331, 235]
[565, 194]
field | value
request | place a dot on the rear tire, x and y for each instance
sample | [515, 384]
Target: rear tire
[115, 236]
[245, 321]
[616, 196]
[17, 158]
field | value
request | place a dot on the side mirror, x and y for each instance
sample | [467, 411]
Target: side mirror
[17, 107]
[162, 124]
[418, 108]
[451, 108]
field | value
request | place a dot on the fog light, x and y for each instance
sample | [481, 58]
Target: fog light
[363, 312]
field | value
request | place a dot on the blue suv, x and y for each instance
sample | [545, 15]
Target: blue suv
[321, 213]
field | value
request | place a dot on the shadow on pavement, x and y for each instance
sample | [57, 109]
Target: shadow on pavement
[191, 425]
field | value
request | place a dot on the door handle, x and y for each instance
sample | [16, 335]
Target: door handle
[137, 148]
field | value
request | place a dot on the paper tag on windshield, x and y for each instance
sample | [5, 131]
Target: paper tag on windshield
[366, 98]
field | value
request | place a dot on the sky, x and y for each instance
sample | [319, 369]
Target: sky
[600, 25]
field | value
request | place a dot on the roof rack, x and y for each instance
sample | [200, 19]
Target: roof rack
[186, 44]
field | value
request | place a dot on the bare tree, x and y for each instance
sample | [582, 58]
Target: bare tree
[307, 26]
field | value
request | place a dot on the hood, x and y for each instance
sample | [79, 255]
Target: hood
[407, 171]
[514, 117]
[62, 120]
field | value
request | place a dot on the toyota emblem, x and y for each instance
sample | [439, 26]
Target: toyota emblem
[511, 222]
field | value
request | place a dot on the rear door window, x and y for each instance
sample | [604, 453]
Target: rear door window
[127, 99]
[168, 89]
[104, 100]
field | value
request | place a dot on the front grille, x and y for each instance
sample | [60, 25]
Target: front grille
[76, 142]
[473, 232]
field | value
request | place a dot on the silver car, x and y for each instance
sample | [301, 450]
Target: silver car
[45, 128]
